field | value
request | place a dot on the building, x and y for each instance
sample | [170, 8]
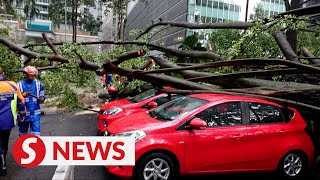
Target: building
[270, 7]
[42, 5]
[109, 28]
[34, 27]
[211, 11]
[142, 15]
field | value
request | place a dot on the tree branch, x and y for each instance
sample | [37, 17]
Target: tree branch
[238, 62]
[234, 83]
[307, 53]
[302, 11]
[214, 78]
[284, 102]
[285, 46]
[49, 43]
[31, 55]
[189, 25]
[176, 52]
[87, 65]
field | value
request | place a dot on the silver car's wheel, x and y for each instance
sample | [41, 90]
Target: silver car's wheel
[292, 165]
[156, 169]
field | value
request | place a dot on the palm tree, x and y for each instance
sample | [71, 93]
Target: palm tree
[30, 9]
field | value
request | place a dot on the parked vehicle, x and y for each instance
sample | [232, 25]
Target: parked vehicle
[147, 100]
[215, 133]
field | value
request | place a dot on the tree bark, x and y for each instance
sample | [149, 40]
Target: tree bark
[307, 53]
[235, 83]
[285, 46]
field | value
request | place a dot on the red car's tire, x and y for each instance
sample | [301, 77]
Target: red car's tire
[155, 164]
[294, 165]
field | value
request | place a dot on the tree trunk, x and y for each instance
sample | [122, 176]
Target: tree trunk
[292, 34]
[234, 83]
[119, 19]
[76, 23]
[72, 20]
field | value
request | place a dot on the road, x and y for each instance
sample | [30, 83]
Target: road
[58, 123]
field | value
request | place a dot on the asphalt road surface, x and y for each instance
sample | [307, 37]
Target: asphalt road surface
[84, 124]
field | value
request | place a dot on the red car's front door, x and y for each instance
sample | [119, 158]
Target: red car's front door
[222, 145]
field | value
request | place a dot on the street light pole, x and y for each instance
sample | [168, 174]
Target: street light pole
[65, 21]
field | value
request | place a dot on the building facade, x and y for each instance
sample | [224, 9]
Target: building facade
[270, 7]
[143, 15]
[109, 28]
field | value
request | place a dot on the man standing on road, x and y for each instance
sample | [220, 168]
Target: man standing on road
[33, 91]
[11, 100]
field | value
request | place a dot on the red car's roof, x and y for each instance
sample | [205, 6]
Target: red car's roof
[219, 97]
[169, 88]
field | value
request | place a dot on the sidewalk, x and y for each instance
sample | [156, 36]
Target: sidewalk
[55, 122]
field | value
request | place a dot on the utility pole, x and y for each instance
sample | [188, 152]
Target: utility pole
[247, 7]
[65, 21]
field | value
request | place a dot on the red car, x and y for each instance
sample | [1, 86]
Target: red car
[215, 133]
[147, 100]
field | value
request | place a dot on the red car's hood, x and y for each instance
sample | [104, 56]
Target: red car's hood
[117, 103]
[137, 121]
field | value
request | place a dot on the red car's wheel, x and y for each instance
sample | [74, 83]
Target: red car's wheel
[293, 165]
[155, 166]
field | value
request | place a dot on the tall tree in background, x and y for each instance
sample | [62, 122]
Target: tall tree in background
[57, 12]
[258, 12]
[75, 4]
[121, 9]
[6, 7]
[30, 9]
[226, 41]
[89, 23]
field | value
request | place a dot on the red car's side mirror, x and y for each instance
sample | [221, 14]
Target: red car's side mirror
[152, 104]
[198, 123]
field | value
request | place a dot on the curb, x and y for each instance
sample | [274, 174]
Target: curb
[64, 172]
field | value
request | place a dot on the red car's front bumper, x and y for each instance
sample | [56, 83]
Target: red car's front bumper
[121, 171]
[104, 120]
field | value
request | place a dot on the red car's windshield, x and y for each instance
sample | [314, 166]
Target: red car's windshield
[142, 96]
[176, 108]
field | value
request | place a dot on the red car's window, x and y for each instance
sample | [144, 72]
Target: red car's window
[264, 114]
[226, 114]
[175, 108]
[142, 96]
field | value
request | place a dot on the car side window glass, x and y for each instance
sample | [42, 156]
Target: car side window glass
[161, 100]
[164, 99]
[264, 114]
[226, 114]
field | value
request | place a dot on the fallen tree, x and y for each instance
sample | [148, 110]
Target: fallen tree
[290, 65]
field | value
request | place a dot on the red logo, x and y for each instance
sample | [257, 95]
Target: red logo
[29, 151]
